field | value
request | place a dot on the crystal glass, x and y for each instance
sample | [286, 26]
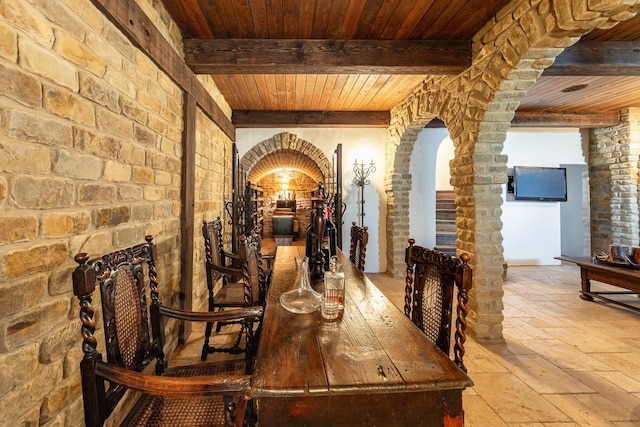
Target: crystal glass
[333, 294]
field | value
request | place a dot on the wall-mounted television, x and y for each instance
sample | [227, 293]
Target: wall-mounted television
[543, 184]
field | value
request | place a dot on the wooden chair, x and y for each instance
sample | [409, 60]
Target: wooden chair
[267, 260]
[430, 282]
[215, 394]
[358, 248]
[212, 232]
[214, 247]
[242, 285]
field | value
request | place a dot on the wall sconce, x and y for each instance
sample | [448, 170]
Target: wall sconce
[361, 179]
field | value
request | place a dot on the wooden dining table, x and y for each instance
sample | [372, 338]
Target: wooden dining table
[372, 367]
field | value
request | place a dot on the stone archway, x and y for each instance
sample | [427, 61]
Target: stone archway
[477, 106]
[316, 165]
[306, 164]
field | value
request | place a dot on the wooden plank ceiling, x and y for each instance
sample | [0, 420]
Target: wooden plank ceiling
[276, 60]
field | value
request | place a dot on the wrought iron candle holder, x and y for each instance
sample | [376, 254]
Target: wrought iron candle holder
[361, 179]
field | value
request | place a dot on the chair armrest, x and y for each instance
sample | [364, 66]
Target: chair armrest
[269, 259]
[176, 386]
[249, 314]
[231, 255]
[227, 271]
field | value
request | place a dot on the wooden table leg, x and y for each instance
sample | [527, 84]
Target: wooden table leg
[586, 285]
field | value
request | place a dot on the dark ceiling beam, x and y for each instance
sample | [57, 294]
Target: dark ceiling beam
[546, 119]
[587, 119]
[271, 119]
[598, 58]
[305, 56]
[310, 56]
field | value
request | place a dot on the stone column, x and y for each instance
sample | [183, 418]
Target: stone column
[614, 154]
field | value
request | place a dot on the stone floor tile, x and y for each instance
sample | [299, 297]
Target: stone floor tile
[514, 312]
[478, 414]
[560, 425]
[543, 376]
[510, 346]
[622, 380]
[513, 400]
[580, 413]
[568, 424]
[525, 325]
[566, 356]
[515, 333]
[627, 363]
[610, 390]
[609, 409]
[477, 359]
[631, 357]
[622, 329]
[588, 342]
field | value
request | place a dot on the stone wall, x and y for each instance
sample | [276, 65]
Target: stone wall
[614, 153]
[90, 161]
[284, 148]
[213, 189]
[509, 54]
[299, 185]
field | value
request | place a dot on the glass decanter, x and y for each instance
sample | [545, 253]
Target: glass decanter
[302, 299]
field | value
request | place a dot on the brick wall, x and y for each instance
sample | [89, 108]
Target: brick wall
[284, 149]
[213, 188]
[287, 149]
[614, 153]
[509, 54]
[90, 161]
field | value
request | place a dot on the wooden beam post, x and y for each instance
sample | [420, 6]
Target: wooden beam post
[188, 209]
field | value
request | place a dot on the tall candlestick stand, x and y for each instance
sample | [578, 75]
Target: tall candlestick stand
[361, 179]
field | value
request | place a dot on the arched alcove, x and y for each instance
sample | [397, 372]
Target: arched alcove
[286, 167]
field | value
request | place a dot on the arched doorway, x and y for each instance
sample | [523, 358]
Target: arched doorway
[477, 107]
[286, 168]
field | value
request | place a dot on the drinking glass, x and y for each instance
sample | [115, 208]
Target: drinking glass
[333, 295]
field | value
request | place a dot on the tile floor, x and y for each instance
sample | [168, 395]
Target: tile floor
[564, 362]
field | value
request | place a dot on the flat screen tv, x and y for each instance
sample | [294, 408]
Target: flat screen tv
[540, 183]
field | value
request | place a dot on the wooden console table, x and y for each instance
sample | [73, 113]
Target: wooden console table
[373, 367]
[622, 277]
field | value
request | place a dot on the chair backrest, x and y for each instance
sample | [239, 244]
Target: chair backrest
[213, 243]
[127, 321]
[430, 282]
[253, 273]
[358, 248]
[247, 263]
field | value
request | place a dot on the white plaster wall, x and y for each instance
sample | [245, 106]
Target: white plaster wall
[357, 143]
[531, 230]
[428, 175]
